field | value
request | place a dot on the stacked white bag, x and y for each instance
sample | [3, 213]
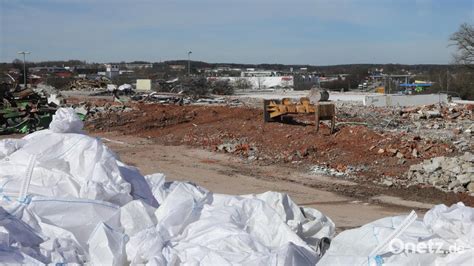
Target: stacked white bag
[66, 198]
[445, 236]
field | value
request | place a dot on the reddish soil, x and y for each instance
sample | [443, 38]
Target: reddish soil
[210, 126]
[295, 144]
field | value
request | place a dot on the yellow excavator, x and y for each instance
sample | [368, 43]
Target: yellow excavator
[316, 103]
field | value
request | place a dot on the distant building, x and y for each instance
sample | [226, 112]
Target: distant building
[63, 74]
[122, 72]
[53, 69]
[305, 81]
[138, 65]
[112, 70]
[261, 82]
[85, 70]
[177, 67]
[254, 73]
[143, 84]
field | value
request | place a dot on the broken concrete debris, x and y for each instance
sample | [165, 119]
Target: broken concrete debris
[445, 173]
[239, 131]
[404, 100]
[82, 84]
[90, 111]
[239, 146]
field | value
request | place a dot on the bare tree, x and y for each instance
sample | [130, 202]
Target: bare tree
[221, 87]
[463, 81]
[260, 81]
[463, 39]
[242, 84]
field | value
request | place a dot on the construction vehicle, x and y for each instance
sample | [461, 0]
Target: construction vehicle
[274, 110]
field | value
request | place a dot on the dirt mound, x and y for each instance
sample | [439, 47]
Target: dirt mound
[372, 154]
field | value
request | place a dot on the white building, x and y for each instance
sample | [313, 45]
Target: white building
[262, 82]
[138, 66]
[112, 70]
[143, 84]
[254, 73]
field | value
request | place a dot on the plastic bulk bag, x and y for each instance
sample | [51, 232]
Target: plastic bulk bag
[199, 227]
[453, 224]
[63, 249]
[13, 256]
[73, 165]
[76, 216]
[236, 231]
[145, 247]
[8, 146]
[44, 181]
[17, 231]
[84, 158]
[443, 237]
[19, 243]
[156, 182]
[180, 208]
[309, 224]
[65, 120]
[67, 225]
[136, 216]
[139, 185]
[107, 246]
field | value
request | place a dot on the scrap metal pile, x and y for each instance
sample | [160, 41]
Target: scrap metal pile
[86, 84]
[23, 111]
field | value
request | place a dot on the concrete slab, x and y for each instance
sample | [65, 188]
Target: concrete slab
[404, 100]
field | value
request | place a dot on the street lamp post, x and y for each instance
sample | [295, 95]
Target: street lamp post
[447, 82]
[189, 63]
[24, 66]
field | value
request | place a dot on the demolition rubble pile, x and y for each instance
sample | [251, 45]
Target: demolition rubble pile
[454, 122]
[450, 112]
[88, 84]
[446, 173]
[451, 123]
[93, 111]
[66, 198]
[455, 118]
[242, 132]
[25, 110]
[182, 99]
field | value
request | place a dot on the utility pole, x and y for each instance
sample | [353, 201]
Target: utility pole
[389, 84]
[24, 66]
[447, 81]
[189, 63]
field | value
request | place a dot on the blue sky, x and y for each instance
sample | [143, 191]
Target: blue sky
[245, 31]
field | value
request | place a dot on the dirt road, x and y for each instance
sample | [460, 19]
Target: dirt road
[222, 173]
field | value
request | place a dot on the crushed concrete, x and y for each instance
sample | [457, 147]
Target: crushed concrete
[445, 173]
